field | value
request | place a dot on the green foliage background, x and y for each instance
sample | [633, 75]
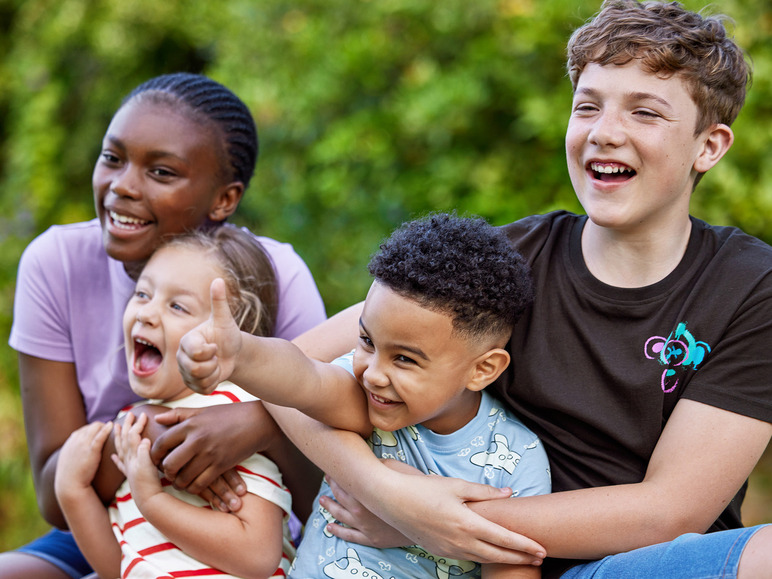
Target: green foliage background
[369, 112]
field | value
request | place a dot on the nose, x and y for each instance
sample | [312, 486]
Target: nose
[147, 314]
[125, 183]
[607, 129]
[374, 374]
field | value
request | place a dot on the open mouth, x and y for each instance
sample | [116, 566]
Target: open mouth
[125, 222]
[611, 172]
[147, 358]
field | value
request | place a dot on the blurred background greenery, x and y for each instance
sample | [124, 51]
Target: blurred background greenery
[369, 112]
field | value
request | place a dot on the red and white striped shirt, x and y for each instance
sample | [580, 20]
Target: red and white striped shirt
[147, 553]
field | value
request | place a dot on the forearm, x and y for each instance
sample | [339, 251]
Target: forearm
[225, 541]
[501, 571]
[343, 455]
[45, 494]
[89, 523]
[278, 372]
[593, 523]
[299, 474]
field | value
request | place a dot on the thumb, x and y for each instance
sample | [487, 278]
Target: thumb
[221, 311]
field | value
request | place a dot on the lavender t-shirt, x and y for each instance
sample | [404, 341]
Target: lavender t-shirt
[70, 298]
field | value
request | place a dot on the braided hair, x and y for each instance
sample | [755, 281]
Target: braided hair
[213, 102]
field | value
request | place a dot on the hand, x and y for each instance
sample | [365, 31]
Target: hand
[207, 354]
[201, 447]
[362, 526]
[80, 455]
[434, 515]
[132, 457]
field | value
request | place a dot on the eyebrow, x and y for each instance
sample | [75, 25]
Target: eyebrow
[638, 96]
[416, 351]
[116, 142]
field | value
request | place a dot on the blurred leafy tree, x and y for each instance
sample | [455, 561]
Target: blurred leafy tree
[369, 112]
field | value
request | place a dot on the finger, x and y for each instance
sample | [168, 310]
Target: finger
[235, 482]
[100, 436]
[174, 455]
[176, 415]
[338, 511]
[348, 534]
[118, 463]
[193, 478]
[195, 348]
[214, 500]
[139, 424]
[221, 312]
[226, 494]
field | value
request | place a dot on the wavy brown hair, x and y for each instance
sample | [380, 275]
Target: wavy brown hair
[668, 40]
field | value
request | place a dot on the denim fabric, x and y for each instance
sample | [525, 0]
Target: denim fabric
[692, 556]
[59, 548]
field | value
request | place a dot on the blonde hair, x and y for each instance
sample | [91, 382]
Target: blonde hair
[248, 273]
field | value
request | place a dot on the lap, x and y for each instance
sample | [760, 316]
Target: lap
[692, 555]
[52, 556]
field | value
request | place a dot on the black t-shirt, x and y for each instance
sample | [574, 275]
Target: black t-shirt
[597, 370]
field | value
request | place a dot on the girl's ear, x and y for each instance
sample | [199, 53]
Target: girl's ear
[487, 368]
[226, 201]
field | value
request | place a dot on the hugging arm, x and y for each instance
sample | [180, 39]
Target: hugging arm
[700, 462]
[53, 409]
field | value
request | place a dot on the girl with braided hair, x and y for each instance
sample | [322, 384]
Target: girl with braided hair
[177, 156]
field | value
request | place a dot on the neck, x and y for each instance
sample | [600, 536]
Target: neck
[630, 260]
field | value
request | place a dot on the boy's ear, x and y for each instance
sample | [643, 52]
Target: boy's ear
[487, 368]
[226, 201]
[717, 142]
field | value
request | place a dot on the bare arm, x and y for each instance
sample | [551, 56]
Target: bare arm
[86, 515]
[458, 532]
[700, 462]
[53, 409]
[271, 368]
[225, 541]
[333, 337]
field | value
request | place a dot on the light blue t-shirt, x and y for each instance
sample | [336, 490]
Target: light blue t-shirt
[494, 448]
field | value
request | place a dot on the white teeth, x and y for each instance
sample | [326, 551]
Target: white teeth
[126, 220]
[145, 342]
[381, 400]
[608, 169]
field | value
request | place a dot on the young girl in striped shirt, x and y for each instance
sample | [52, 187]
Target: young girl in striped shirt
[161, 531]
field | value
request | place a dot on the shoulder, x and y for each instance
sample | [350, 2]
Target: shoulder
[66, 256]
[733, 257]
[530, 234]
[281, 253]
[81, 239]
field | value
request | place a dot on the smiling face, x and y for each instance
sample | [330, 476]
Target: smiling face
[631, 148]
[160, 173]
[171, 298]
[413, 368]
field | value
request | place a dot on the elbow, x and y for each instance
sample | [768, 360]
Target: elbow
[262, 564]
[52, 513]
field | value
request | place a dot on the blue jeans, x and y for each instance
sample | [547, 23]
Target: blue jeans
[59, 548]
[693, 556]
